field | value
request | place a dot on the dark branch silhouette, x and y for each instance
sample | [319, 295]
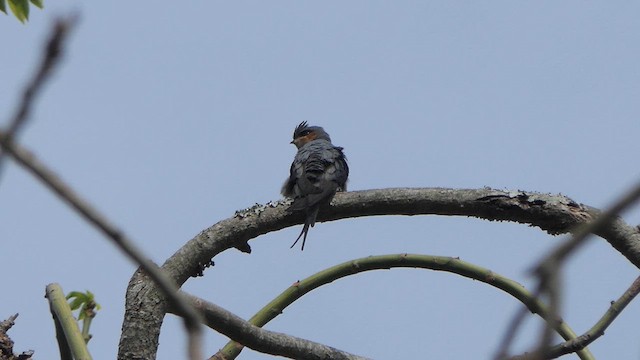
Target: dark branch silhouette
[53, 51]
[549, 272]
[24, 158]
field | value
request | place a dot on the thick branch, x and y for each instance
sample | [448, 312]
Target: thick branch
[265, 341]
[555, 214]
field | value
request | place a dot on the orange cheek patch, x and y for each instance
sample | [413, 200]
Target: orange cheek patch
[304, 139]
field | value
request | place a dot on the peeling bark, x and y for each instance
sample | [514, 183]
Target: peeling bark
[556, 214]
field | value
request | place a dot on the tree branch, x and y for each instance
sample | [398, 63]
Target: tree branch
[50, 58]
[599, 328]
[596, 330]
[269, 342]
[91, 215]
[6, 344]
[39, 170]
[70, 340]
[549, 264]
[549, 270]
[555, 214]
[384, 262]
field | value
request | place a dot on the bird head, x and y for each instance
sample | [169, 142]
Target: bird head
[305, 133]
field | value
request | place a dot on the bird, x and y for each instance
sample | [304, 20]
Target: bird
[318, 171]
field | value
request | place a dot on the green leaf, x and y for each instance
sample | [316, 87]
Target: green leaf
[79, 299]
[84, 301]
[3, 6]
[83, 312]
[38, 3]
[76, 303]
[20, 9]
[74, 294]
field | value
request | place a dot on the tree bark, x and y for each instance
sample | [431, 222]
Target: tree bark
[556, 214]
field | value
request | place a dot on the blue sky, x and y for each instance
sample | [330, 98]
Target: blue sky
[170, 117]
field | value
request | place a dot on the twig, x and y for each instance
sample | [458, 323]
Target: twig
[7, 324]
[51, 57]
[548, 269]
[553, 287]
[512, 329]
[55, 184]
[70, 339]
[53, 51]
[596, 330]
[581, 233]
[384, 262]
[6, 344]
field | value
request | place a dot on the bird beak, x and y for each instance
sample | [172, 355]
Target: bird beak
[292, 141]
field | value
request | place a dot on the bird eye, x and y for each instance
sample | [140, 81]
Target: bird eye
[305, 133]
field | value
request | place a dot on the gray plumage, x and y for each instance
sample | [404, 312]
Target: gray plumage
[318, 171]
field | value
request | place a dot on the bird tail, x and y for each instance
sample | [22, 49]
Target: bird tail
[309, 221]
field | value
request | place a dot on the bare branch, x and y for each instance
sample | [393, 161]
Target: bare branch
[385, 262]
[70, 340]
[596, 330]
[555, 214]
[602, 220]
[549, 270]
[50, 58]
[7, 324]
[6, 344]
[269, 342]
[167, 286]
[511, 331]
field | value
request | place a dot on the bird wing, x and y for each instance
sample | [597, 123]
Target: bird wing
[289, 184]
[317, 172]
[320, 170]
[339, 172]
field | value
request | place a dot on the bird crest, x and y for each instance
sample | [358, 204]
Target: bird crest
[300, 128]
[318, 171]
